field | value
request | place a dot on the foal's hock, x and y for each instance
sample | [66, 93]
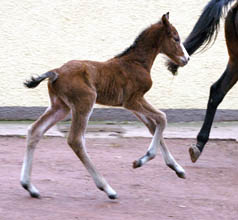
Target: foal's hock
[120, 81]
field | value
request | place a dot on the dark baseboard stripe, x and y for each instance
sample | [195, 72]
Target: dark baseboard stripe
[117, 114]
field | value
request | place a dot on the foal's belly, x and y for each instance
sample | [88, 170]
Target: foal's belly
[112, 98]
[109, 101]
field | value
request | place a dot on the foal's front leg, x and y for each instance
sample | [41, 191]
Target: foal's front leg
[159, 118]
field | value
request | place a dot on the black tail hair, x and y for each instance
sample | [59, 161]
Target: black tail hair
[205, 30]
[35, 81]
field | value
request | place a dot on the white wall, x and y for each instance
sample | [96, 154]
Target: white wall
[38, 35]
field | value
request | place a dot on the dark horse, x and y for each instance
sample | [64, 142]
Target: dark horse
[120, 81]
[203, 33]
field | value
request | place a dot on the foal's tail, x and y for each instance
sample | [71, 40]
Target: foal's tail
[206, 29]
[35, 81]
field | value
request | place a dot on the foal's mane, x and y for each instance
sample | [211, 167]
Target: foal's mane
[139, 39]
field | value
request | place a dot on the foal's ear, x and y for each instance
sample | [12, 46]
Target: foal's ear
[165, 19]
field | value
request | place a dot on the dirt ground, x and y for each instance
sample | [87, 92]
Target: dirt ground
[150, 192]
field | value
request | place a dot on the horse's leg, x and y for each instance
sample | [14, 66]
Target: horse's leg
[144, 108]
[148, 122]
[56, 112]
[217, 92]
[76, 140]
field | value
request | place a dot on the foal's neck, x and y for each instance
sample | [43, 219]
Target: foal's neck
[145, 48]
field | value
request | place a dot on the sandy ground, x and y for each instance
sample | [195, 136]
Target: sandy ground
[150, 192]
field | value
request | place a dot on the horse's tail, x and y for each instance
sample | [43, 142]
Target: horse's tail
[35, 81]
[205, 29]
[207, 26]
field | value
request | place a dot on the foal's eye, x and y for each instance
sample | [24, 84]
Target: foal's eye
[176, 39]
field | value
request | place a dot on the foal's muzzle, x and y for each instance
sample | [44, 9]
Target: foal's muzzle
[184, 60]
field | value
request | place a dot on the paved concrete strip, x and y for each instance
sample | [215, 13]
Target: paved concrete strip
[20, 129]
[220, 131]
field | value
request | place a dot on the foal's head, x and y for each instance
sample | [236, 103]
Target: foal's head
[171, 45]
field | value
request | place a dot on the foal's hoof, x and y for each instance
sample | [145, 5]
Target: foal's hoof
[181, 175]
[31, 189]
[35, 195]
[194, 153]
[114, 196]
[137, 163]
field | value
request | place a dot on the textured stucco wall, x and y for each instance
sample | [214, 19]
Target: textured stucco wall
[39, 35]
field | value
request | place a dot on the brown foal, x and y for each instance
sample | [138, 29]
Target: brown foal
[120, 81]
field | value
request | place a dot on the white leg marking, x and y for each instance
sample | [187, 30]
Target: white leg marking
[170, 161]
[35, 132]
[152, 150]
[27, 167]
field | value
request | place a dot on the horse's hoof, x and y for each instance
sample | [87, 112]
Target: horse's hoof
[136, 164]
[194, 153]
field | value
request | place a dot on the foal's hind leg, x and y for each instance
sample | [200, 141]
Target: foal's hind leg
[217, 92]
[144, 108]
[53, 114]
[148, 122]
[76, 139]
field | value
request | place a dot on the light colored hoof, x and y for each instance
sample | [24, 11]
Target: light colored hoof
[194, 153]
